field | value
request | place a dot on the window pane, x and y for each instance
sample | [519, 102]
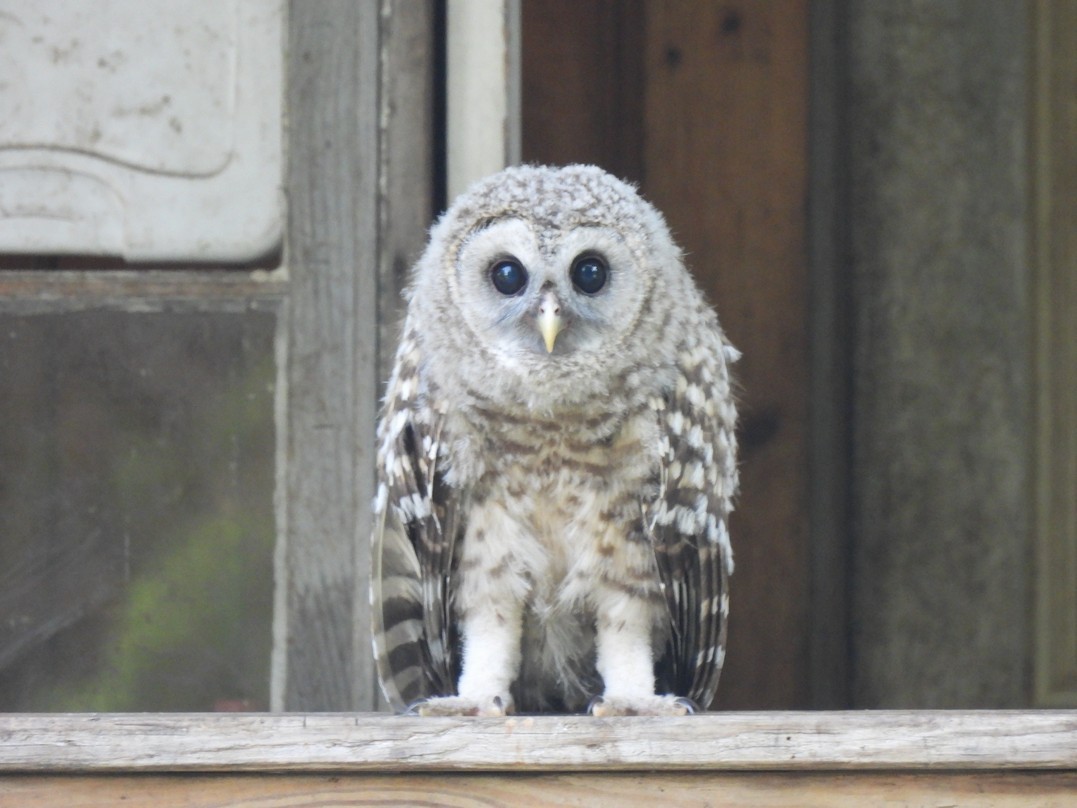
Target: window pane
[136, 510]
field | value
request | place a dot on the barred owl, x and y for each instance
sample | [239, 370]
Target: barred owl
[556, 462]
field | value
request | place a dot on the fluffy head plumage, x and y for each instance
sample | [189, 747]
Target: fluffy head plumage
[545, 219]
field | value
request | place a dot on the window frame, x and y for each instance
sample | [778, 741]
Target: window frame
[358, 138]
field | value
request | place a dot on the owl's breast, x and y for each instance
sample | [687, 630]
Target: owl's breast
[555, 464]
[573, 488]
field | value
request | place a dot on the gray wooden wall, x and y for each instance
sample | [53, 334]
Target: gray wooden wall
[934, 215]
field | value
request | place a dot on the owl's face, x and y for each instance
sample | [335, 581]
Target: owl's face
[542, 286]
[537, 294]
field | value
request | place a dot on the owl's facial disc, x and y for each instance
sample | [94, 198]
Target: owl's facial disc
[545, 298]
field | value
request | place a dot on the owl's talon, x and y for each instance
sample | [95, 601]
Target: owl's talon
[690, 706]
[493, 707]
[415, 708]
[603, 707]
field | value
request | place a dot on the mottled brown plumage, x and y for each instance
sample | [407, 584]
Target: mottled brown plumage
[556, 461]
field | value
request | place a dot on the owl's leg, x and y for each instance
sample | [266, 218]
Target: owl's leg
[491, 661]
[490, 592]
[625, 658]
[491, 654]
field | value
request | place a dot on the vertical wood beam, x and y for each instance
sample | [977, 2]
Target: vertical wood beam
[828, 319]
[1054, 311]
[406, 192]
[360, 198]
[940, 335]
[329, 363]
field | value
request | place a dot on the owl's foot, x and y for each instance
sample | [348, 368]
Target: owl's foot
[493, 707]
[604, 707]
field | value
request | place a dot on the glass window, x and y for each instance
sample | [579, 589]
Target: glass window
[136, 510]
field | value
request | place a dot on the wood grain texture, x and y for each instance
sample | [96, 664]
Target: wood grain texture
[42, 291]
[688, 789]
[360, 192]
[940, 338]
[322, 659]
[797, 741]
[582, 84]
[406, 195]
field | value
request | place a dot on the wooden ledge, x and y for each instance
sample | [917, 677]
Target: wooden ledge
[809, 742]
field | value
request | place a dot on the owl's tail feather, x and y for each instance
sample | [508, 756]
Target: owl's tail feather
[397, 619]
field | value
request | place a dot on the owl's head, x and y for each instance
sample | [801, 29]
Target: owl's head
[549, 274]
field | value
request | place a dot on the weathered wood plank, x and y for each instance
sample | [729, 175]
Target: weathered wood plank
[690, 789]
[34, 291]
[321, 656]
[765, 741]
[1054, 151]
[828, 355]
[936, 116]
[361, 133]
[406, 193]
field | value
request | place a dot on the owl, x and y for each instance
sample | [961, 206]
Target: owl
[556, 462]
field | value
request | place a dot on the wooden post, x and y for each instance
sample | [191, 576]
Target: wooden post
[359, 182]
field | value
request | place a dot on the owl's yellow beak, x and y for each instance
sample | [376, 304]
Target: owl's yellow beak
[549, 320]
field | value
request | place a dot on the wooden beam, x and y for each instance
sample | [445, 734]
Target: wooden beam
[405, 191]
[321, 657]
[688, 789]
[360, 175]
[829, 298]
[1054, 301]
[939, 333]
[39, 291]
[895, 741]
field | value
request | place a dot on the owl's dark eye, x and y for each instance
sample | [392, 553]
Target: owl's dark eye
[508, 276]
[589, 273]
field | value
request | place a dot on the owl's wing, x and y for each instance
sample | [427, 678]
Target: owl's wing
[688, 520]
[415, 529]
